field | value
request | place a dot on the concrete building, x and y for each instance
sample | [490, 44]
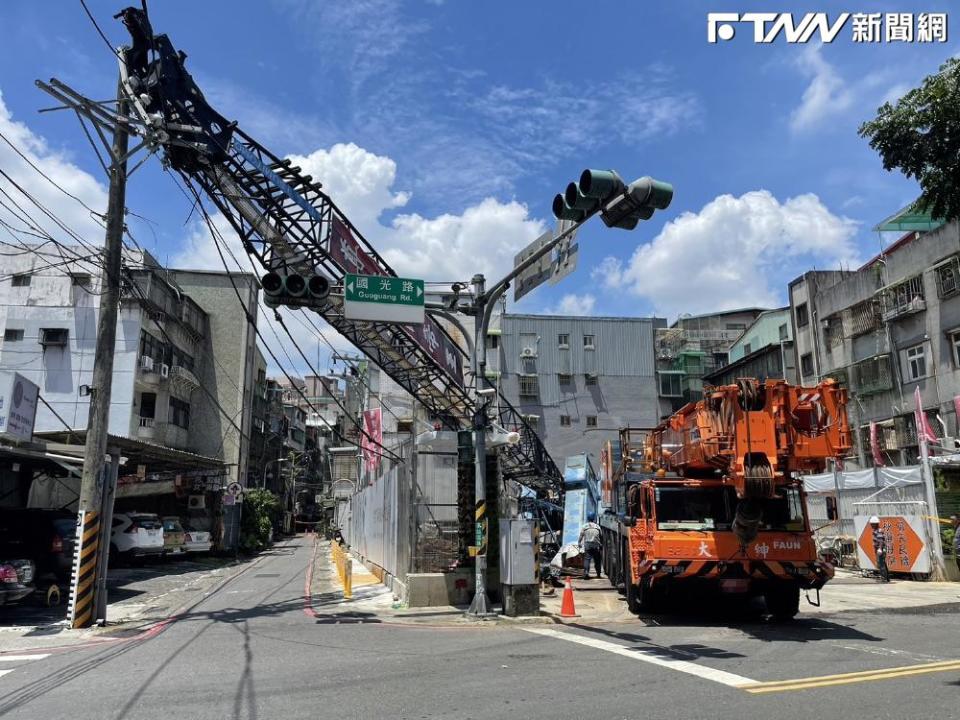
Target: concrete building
[763, 351]
[695, 346]
[169, 343]
[883, 331]
[578, 379]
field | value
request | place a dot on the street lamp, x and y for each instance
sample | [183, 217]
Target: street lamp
[620, 206]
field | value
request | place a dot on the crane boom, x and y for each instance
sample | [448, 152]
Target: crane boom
[286, 221]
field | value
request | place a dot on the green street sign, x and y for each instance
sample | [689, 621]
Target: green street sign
[383, 298]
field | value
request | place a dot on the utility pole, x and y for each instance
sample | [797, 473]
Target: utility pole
[93, 479]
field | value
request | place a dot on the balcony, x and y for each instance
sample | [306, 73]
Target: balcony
[149, 429]
[915, 305]
[181, 377]
[148, 371]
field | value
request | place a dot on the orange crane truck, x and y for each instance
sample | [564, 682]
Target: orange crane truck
[712, 499]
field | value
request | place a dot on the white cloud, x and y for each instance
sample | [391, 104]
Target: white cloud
[573, 304]
[58, 167]
[736, 252]
[825, 96]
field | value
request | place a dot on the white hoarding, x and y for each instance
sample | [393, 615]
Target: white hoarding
[18, 406]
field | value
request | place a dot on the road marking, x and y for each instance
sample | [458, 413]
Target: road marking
[4, 672]
[21, 658]
[855, 677]
[700, 671]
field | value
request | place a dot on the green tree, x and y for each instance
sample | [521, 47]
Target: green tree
[920, 136]
[261, 508]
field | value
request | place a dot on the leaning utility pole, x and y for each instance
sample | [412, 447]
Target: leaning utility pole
[90, 565]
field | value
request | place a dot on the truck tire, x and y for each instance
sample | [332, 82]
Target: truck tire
[642, 598]
[783, 600]
[633, 598]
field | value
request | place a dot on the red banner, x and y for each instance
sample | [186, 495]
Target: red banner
[371, 442]
[875, 447]
[348, 253]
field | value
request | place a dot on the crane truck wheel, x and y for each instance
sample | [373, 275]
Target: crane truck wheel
[783, 600]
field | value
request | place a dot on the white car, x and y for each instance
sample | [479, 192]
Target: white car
[136, 535]
[196, 540]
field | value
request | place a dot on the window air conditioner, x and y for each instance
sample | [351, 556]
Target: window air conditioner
[528, 352]
[196, 502]
[146, 362]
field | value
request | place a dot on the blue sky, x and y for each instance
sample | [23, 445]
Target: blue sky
[445, 128]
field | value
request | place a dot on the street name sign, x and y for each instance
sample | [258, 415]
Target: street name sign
[383, 298]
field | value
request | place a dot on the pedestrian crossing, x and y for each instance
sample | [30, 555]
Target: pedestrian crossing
[9, 659]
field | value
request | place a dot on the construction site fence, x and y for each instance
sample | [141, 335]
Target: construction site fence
[404, 520]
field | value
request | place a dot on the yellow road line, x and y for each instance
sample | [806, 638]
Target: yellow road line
[854, 677]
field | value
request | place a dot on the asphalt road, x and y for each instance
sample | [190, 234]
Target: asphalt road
[250, 650]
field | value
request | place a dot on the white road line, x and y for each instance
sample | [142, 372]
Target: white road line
[700, 671]
[4, 672]
[21, 658]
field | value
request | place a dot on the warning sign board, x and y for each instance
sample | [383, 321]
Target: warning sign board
[907, 549]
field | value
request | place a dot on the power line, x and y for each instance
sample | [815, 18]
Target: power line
[99, 31]
[218, 239]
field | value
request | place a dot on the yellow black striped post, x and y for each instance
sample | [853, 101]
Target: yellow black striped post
[82, 585]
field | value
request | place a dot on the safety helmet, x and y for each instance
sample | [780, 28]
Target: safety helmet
[874, 520]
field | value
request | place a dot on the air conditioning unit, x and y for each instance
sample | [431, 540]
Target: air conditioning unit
[196, 502]
[146, 363]
[164, 370]
[528, 353]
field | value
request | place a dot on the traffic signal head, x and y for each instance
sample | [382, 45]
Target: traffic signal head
[562, 211]
[600, 184]
[637, 202]
[294, 289]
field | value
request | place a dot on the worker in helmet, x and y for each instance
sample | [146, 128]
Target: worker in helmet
[590, 545]
[880, 549]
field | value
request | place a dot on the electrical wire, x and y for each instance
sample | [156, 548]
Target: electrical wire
[219, 243]
[106, 40]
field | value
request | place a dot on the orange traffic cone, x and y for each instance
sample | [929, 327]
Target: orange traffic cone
[566, 604]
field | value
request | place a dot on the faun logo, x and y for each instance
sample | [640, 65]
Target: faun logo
[761, 549]
[786, 545]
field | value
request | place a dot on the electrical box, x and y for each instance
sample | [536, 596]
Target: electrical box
[517, 552]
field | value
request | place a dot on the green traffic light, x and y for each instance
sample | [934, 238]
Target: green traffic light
[575, 198]
[600, 183]
[562, 211]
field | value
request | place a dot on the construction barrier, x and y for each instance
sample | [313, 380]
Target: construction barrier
[344, 565]
[82, 585]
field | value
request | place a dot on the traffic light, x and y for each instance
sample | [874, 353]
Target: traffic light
[620, 205]
[294, 289]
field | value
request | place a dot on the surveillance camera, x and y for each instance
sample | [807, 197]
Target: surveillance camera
[487, 391]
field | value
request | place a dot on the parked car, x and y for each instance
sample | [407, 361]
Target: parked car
[136, 535]
[173, 536]
[16, 580]
[47, 537]
[196, 541]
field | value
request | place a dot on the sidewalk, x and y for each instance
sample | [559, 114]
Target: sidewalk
[374, 603]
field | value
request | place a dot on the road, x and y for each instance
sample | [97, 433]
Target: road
[251, 650]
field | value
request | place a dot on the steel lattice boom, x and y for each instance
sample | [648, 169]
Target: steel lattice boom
[288, 223]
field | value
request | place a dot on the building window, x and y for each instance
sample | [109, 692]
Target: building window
[564, 421]
[148, 405]
[948, 278]
[566, 379]
[865, 317]
[80, 279]
[954, 344]
[493, 342]
[873, 375]
[591, 421]
[20, 281]
[588, 342]
[179, 413]
[803, 315]
[563, 340]
[746, 349]
[12, 335]
[54, 337]
[915, 362]
[736, 327]
[806, 364]
[782, 330]
[590, 379]
[671, 384]
[905, 297]
[529, 386]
